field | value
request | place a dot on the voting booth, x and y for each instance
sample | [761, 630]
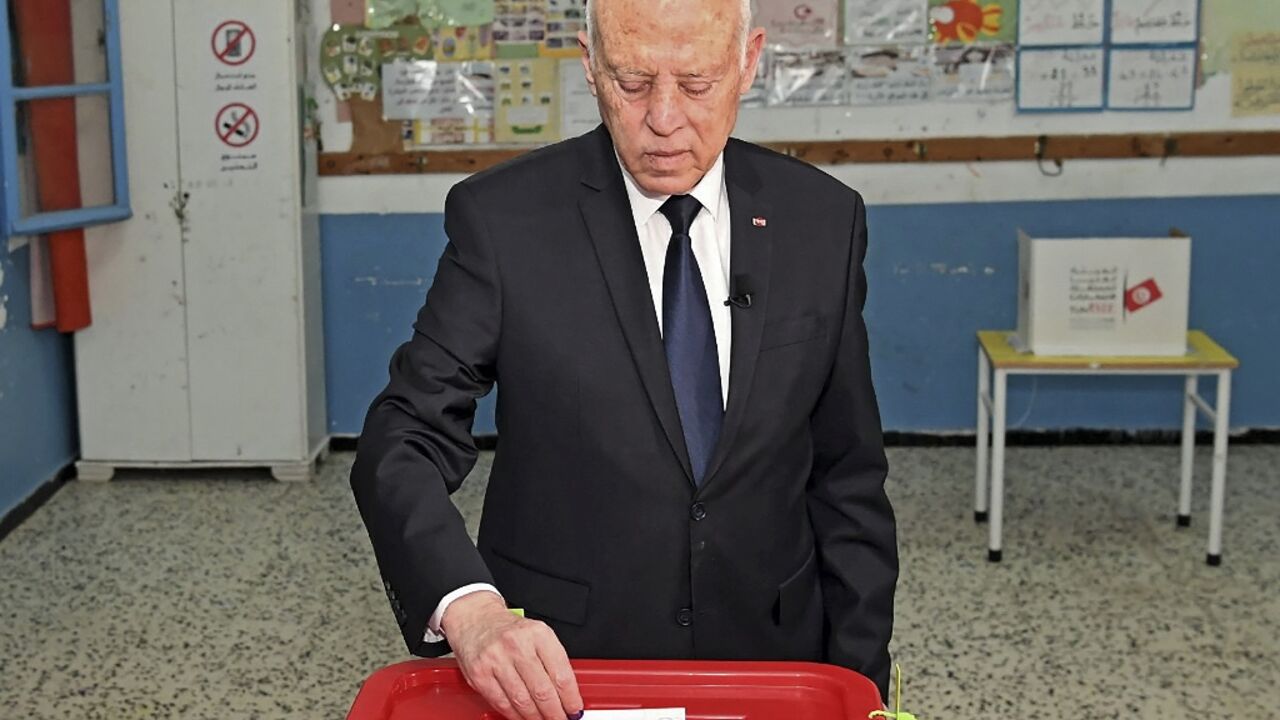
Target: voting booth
[1103, 296]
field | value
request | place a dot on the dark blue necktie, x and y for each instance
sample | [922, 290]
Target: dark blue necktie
[690, 339]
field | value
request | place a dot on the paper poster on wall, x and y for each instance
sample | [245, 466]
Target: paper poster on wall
[1255, 90]
[351, 57]
[1152, 79]
[799, 23]
[1250, 48]
[425, 89]
[1061, 22]
[814, 77]
[974, 72]
[968, 21]
[474, 129]
[1060, 80]
[469, 42]
[565, 18]
[1255, 74]
[526, 100]
[454, 13]
[579, 113]
[889, 75]
[886, 21]
[1218, 31]
[519, 27]
[381, 14]
[1154, 21]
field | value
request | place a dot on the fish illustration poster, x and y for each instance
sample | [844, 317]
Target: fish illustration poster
[970, 21]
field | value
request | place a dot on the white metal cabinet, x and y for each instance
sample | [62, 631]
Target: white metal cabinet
[207, 347]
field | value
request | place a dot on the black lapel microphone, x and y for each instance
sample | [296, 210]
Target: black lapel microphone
[740, 293]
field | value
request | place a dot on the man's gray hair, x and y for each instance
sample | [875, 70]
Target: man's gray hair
[593, 28]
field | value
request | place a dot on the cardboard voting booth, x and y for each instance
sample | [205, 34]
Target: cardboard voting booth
[1103, 296]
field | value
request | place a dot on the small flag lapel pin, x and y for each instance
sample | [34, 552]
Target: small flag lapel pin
[759, 222]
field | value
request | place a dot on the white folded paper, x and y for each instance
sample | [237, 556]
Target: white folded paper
[641, 714]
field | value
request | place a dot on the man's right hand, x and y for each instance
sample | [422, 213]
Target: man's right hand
[517, 665]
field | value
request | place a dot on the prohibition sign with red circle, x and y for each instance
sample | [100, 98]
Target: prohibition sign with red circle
[235, 130]
[234, 42]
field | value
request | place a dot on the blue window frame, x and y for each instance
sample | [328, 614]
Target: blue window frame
[39, 223]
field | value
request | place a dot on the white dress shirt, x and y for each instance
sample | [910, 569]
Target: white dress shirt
[710, 234]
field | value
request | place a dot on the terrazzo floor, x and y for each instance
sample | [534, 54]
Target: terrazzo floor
[227, 595]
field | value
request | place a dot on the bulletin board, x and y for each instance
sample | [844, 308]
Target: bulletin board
[458, 85]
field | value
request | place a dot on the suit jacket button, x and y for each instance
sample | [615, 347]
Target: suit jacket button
[698, 511]
[684, 617]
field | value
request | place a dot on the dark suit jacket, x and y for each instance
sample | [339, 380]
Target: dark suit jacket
[591, 521]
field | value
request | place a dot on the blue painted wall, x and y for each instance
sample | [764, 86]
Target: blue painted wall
[37, 397]
[930, 291]
[377, 270]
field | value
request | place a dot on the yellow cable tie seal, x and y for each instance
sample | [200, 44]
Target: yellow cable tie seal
[897, 713]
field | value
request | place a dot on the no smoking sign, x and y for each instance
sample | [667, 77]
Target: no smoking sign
[234, 42]
[237, 125]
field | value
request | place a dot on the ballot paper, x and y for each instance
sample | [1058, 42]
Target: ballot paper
[643, 714]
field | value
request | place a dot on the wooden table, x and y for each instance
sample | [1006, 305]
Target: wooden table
[1204, 357]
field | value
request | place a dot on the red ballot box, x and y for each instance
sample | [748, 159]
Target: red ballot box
[436, 690]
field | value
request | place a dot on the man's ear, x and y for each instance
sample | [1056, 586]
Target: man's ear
[586, 61]
[755, 47]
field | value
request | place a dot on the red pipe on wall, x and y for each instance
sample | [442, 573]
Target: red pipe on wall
[44, 41]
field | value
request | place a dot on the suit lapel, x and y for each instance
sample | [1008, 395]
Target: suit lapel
[751, 247]
[607, 214]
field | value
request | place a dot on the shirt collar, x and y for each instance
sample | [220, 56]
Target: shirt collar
[707, 192]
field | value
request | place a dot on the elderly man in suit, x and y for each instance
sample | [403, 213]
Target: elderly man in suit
[690, 462]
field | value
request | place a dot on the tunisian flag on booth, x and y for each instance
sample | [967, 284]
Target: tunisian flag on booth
[1142, 295]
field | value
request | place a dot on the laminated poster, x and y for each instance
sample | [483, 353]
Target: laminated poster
[799, 24]
[470, 42]
[1061, 22]
[1255, 74]
[886, 21]
[1152, 79]
[1060, 79]
[454, 13]
[382, 14]
[889, 75]
[519, 27]
[814, 77]
[351, 56]
[426, 89]
[1155, 21]
[565, 19]
[980, 72]
[970, 21]
[526, 100]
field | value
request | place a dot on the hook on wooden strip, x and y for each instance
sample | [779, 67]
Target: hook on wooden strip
[1042, 146]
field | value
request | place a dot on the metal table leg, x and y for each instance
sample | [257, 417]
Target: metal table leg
[1217, 495]
[997, 466]
[1188, 450]
[984, 449]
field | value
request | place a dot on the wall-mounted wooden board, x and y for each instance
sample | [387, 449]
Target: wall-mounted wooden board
[840, 152]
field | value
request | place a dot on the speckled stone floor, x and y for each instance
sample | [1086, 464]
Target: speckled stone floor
[227, 595]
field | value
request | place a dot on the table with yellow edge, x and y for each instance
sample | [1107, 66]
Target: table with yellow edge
[1204, 357]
